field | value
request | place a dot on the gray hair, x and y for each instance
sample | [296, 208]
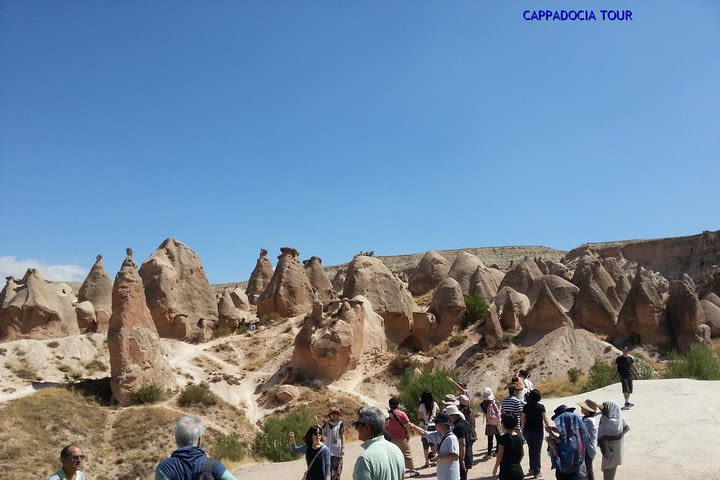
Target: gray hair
[373, 418]
[188, 431]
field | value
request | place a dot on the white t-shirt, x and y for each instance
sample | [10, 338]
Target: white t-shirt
[446, 469]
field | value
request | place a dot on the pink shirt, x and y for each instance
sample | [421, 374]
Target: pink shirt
[396, 429]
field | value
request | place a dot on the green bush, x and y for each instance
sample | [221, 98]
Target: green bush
[475, 309]
[456, 341]
[574, 375]
[412, 385]
[272, 442]
[600, 375]
[197, 395]
[228, 447]
[148, 394]
[700, 363]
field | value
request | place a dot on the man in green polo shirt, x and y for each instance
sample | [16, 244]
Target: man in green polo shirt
[71, 458]
[381, 460]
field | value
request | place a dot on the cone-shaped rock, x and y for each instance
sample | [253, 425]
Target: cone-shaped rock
[429, 272]
[136, 358]
[36, 308]
[260, 277]
[289, 292]
[546, 313]
[563, 291]
[229, 315]
[490, 327]
[684, 312]
[512, 307]
[485, 282]
[369, 277]
[319, 279]
[602, 278]
[521, 275]
[338, 280]
[240, 299]
[712, 317]
[643, 313]
[86, 319]
[463, 269]
[592, 309]
[178, 293]
[448, 307]
[97, 289]
[712, 298]
[622, 287]
[328, 347]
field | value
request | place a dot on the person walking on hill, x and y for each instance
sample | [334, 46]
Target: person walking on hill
[624, 366]
[381, 459]
[611, 432]
[399, 429]
[334, 435]
[427, 410]
[532, 420]
[491, 413]
[71, 458]
[189, 460]
[511, 451]
[447, 456]
[317, 454]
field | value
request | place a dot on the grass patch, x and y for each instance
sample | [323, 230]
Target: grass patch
[197, 395]
[272, 442]
[475, 309]
[701, 363]
[456, 341]
[228, 447]
[148, 394]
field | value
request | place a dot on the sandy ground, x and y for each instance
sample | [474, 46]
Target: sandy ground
[669, 416]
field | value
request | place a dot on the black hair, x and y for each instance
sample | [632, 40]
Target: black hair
[65, 452]
[427, 399]
[534, 395]
[509, 421]
[393, 402]
[309, 434]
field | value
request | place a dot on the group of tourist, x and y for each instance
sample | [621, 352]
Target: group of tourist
[447, 437]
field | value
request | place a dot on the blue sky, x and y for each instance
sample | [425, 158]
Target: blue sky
[335, 127]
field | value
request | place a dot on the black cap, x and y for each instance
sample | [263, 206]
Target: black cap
[562, 409]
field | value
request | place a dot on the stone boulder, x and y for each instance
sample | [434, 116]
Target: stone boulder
[485, 282]
[592, 309]
[712, 316]
[36, 308]
[338, 280]
[239, 299]
[622, 287]
[643, 313]
[712, 298]
[430, 270]
[319, 280]
[490, 328]
[559, 269]
[86, 319]
[447, 307]
[327, 347]
[512, 308]
[289, 292]
[463, 269]
[260, 277]
[703, 335]
[684, 312]
[369, 277]
[546, 314]
[520, 276]
[181, 300]
[97, 289]
[424, 332]
[592, 264]
[563, 291]
[136, 356]
[229, 316]
[287, 393]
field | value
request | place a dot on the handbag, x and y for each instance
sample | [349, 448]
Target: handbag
[304, 477]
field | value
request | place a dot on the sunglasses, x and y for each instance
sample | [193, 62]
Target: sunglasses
[76, 458]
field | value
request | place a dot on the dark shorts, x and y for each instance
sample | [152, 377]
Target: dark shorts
[626, 384]
[492, 430]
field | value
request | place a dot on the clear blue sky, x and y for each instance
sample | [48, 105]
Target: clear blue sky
[334, 127]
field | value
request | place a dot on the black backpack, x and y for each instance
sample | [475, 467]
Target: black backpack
[206, 473]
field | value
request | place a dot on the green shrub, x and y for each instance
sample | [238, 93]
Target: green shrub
[148, 394]
[700, 363]
[412, 385]
[574, 375]
[228, 447]
[644, 368]
[272, 442]
[197, 395]
[475, 309]
[456, 341]
[600, 375]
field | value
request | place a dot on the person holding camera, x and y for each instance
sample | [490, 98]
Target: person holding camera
[447, 455]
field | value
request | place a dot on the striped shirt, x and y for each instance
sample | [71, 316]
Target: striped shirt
[512, 406]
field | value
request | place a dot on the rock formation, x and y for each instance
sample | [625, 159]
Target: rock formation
[136, 358]
[229, 316]
[563, 291]
[490, 328]
[97, 289]
[485, 282]
[592, 309]
[86, 319]
[319, 279]
[592, 264]
[448, 307]
[643, 313]
[338, 280]
[369, 277]
[512, 308]
[328, 347]
[240, 299]
[428, 273]
[684, 312]
[181, 300]
[712, 298]
[36, 308]
[712, 316]
[463, 269]
[260, 277]
[289, 292]
[546, 314]
[520, 276]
